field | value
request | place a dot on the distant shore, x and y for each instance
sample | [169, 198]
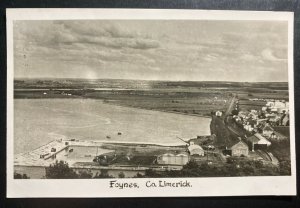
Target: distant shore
[164, 111]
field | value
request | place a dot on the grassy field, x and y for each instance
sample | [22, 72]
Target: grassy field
[194, 98]
[251, 105]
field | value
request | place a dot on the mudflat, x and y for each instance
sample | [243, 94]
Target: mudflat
[38, 121]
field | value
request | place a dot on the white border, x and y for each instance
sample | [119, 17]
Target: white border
[221, 186]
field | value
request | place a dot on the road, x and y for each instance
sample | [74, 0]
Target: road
[228, 111]
[231, 105]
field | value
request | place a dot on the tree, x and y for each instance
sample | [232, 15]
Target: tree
[285, 168]
[60, 170]
[138, 175]
[121, 175]
[85, 174]
[20, 176]
[103, 174]
[149, 173]
[235, 112]
[191, 165]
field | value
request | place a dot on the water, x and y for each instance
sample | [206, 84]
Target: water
[38, 121]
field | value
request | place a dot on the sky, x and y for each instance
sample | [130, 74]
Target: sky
[185, 50]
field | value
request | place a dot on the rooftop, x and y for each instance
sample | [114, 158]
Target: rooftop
[268, 128]
[253, 139]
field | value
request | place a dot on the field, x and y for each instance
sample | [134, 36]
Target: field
[194, 98]
[251, 105]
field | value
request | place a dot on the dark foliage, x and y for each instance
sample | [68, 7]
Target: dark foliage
[233, 167]
[60, 170]
[85, 175]
[20, 176]
[103, 174]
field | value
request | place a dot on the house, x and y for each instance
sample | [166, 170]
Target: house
[238, 148]
[282, 110]
[280, 104]
[262, 140]
[195, 150]
[172, 159]
[267, 131]
[248, 127]
[252, 141]
[285, 121]
[257, 141]
[278, 136]
[270, 104]
[219, 113]
[274, 110]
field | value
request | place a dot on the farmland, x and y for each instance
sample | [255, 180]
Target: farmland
[193, 98]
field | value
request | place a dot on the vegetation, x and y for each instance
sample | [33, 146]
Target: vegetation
[103, 174]
[20, 176]
[135, 160]
[85, 175]
[238, 167]
[121, 175]
[194, 98]
[179, 97]
[281, 150]
[60, 170]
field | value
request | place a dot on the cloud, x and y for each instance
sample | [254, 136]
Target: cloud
[119, 43]
[108, 35]
[60, 33]
[248, 57]
[149, 49]
[268, 54]
[155, 68]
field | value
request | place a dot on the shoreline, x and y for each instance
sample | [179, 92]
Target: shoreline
[164, 111]
[120, 105]
[100, 143]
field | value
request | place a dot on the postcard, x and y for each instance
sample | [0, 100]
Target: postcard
[149, 103]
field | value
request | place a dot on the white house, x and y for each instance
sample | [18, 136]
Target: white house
[196, 150]
[219, 113]
[262, 140]
[248, 127]
[172, 159]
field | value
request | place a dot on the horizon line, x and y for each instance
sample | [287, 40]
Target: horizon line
[159, 80]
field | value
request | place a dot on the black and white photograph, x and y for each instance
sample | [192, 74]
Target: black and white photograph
[162, 99]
